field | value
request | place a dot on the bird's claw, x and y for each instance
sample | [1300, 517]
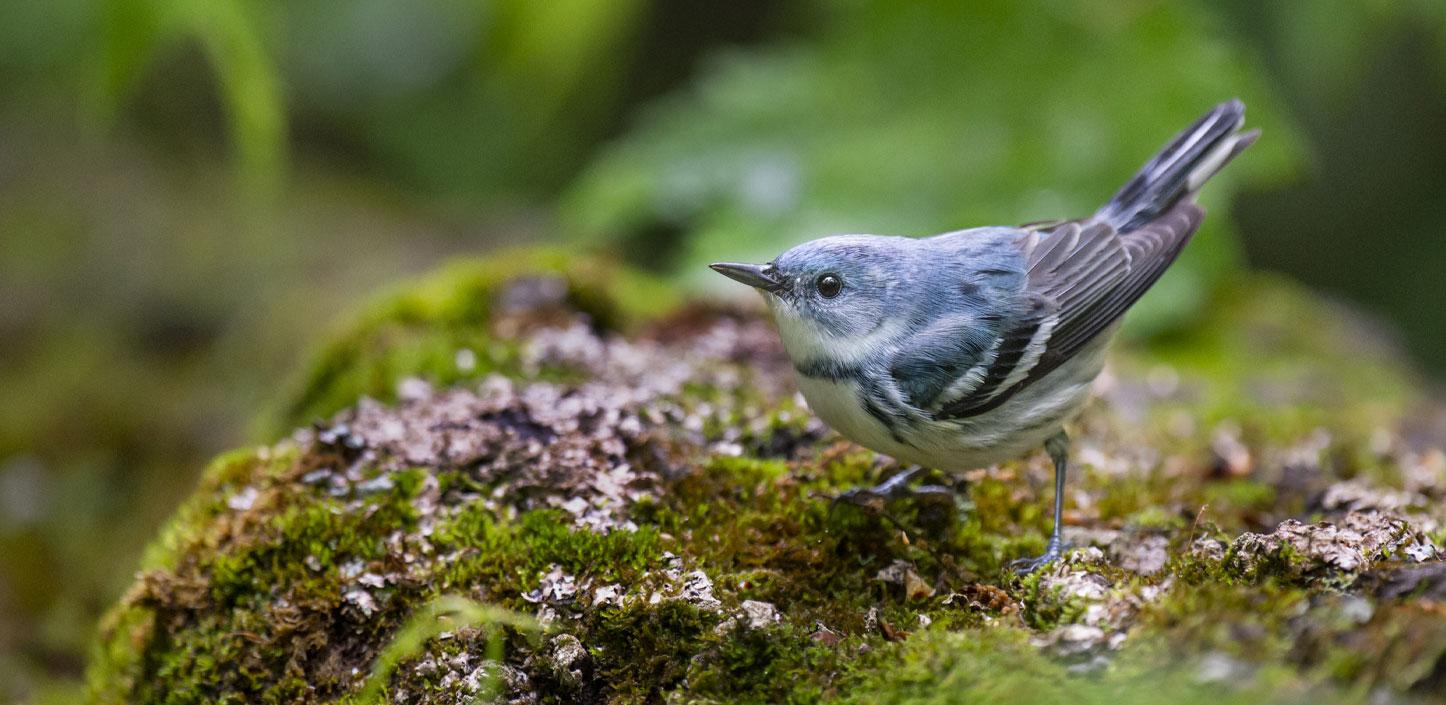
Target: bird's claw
[894, 489]
[877, 500]
[862, 497]
[1052, 553]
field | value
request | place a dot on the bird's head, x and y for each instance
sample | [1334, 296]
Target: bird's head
[830, 293]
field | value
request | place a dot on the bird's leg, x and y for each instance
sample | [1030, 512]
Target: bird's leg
[896, 488]
[1058, 449]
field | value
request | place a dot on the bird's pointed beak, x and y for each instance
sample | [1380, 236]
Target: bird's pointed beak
[759, 276]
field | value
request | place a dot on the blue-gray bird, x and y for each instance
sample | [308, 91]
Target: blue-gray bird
[973, 347]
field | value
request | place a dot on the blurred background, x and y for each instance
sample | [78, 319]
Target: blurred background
[193, 191]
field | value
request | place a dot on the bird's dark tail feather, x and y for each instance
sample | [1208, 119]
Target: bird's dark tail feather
[1179, 170]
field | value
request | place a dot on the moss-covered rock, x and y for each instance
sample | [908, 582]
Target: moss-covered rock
[642, 504]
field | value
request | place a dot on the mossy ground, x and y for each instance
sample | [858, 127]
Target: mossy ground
[656, 496]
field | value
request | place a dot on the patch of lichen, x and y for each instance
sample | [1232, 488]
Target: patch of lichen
[244, 597]
[417, 329]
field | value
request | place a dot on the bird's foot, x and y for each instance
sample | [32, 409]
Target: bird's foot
[926, 507]
[896, 489]
[1052, 553]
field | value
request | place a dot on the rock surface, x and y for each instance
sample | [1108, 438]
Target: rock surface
[1255, 513]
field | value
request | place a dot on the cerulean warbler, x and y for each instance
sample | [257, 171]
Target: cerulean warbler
[973, 347]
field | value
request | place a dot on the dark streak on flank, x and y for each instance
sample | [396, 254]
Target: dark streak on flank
[871, 405]
[829, 370]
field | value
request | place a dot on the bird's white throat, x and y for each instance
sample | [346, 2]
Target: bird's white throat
[806, 341]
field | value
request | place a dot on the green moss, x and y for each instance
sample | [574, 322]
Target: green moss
[506, 559]
[445, 615]
[223, 476]
[644, 650]
[1155, 518]
[1244, 619]
[1048, 606]
[243, 582]
[1235, 496]
[117, 660]
[998, 664]
[782, 664]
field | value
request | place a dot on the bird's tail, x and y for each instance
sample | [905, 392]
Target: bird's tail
[1180, 168]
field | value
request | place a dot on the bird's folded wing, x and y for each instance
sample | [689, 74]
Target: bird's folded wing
[1081, 278]
[1151, 249]
[945, 355]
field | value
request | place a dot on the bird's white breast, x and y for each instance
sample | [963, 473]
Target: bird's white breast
[837, 403]
[1011, 430]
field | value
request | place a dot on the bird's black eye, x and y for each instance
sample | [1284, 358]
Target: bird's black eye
[829, 285]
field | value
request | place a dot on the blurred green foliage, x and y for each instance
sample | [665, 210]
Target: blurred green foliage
[1367, 81]
[459, 98]
[1325, 49]
[228, 33]
[462, 99]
